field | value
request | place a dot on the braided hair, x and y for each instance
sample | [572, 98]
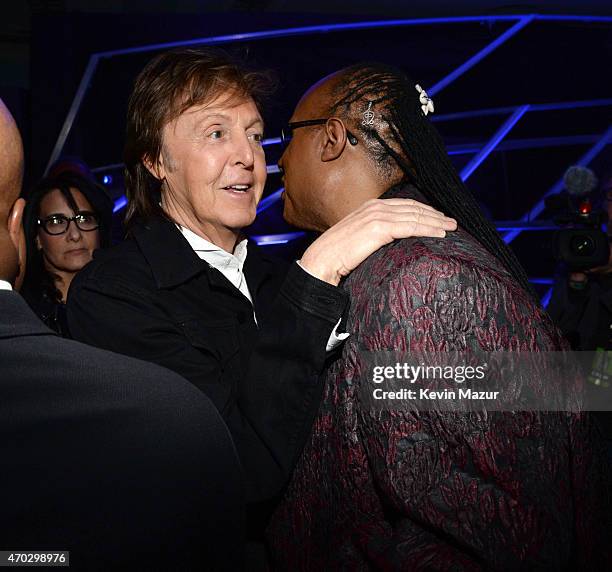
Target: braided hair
[403, 136]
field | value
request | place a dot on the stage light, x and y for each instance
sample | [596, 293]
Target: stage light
[120, 203]
[270, 239]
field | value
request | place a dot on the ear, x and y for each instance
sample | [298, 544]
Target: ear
[335, 139]
[156, 168]
[17, 236]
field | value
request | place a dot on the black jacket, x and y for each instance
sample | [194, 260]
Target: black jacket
[584, 316]
[52, 313]
[107, 457]
[152, 297]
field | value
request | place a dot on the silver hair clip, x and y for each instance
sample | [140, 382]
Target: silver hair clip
[368, 116]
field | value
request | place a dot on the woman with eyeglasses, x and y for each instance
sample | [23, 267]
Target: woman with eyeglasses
[67, 218]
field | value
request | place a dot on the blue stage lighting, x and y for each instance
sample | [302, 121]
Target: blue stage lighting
[520, 22]
[493, 142]
[120, 203]
[270, 239]
[558, 186]
[546, 297]
[266, 203]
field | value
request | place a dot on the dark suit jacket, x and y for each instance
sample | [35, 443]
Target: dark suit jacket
[406, 489]
[152, 297]
[108, 457]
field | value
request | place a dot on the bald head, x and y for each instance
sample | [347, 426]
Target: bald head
[321, 96]
[12, 243]
[11, 161]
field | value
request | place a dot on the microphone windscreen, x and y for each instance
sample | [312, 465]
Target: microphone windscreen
[579, 180]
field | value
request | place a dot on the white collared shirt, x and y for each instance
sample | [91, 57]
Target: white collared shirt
[231, 266]
[4, 285]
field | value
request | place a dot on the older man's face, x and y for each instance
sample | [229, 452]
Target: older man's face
[214, 166]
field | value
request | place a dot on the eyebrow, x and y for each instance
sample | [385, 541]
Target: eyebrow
[205, 118]
[198, 123]
[209, 115]
[255, 121]
[84, 211]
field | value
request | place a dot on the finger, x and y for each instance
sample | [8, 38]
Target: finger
[423, 218]
[401, 211]
[417, 209]
[412, 229]
[449, 224]
[408, 203]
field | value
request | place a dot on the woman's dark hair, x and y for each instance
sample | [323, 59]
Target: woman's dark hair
[404, 136]
[38, 281]
[169, 84]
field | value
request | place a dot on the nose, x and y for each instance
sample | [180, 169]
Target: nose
[280, 164]
[73, 233]
[244, 152]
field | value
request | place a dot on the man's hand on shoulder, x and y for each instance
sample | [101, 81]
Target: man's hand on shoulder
[344, 246]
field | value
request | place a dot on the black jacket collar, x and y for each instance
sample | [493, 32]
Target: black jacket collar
[173, 261]
[17, 319]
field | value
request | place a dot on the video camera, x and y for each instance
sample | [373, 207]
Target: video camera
[580, 243]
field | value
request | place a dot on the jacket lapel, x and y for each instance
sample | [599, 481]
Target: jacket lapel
[259, 271]
[173, 262]
[171, 259]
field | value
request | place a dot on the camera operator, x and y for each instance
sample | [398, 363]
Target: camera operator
[581, 303]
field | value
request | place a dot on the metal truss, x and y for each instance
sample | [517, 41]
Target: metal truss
[520, 22]
[496, 142]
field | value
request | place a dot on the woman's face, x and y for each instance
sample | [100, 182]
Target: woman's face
[70, 251]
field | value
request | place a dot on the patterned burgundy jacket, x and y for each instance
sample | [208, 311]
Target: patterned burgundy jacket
[402, 490]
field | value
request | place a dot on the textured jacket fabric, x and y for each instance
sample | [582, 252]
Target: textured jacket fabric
[400, 489]
[106, 456]
[153, 298]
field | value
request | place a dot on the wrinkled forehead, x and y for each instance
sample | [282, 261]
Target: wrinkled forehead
[226, 105]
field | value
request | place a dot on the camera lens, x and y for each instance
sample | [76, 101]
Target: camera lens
[582, 245]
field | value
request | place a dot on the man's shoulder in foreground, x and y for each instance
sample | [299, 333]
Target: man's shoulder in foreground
[123, 446]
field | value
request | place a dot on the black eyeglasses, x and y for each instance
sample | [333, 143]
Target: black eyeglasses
[287, 132]
[58, 223]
